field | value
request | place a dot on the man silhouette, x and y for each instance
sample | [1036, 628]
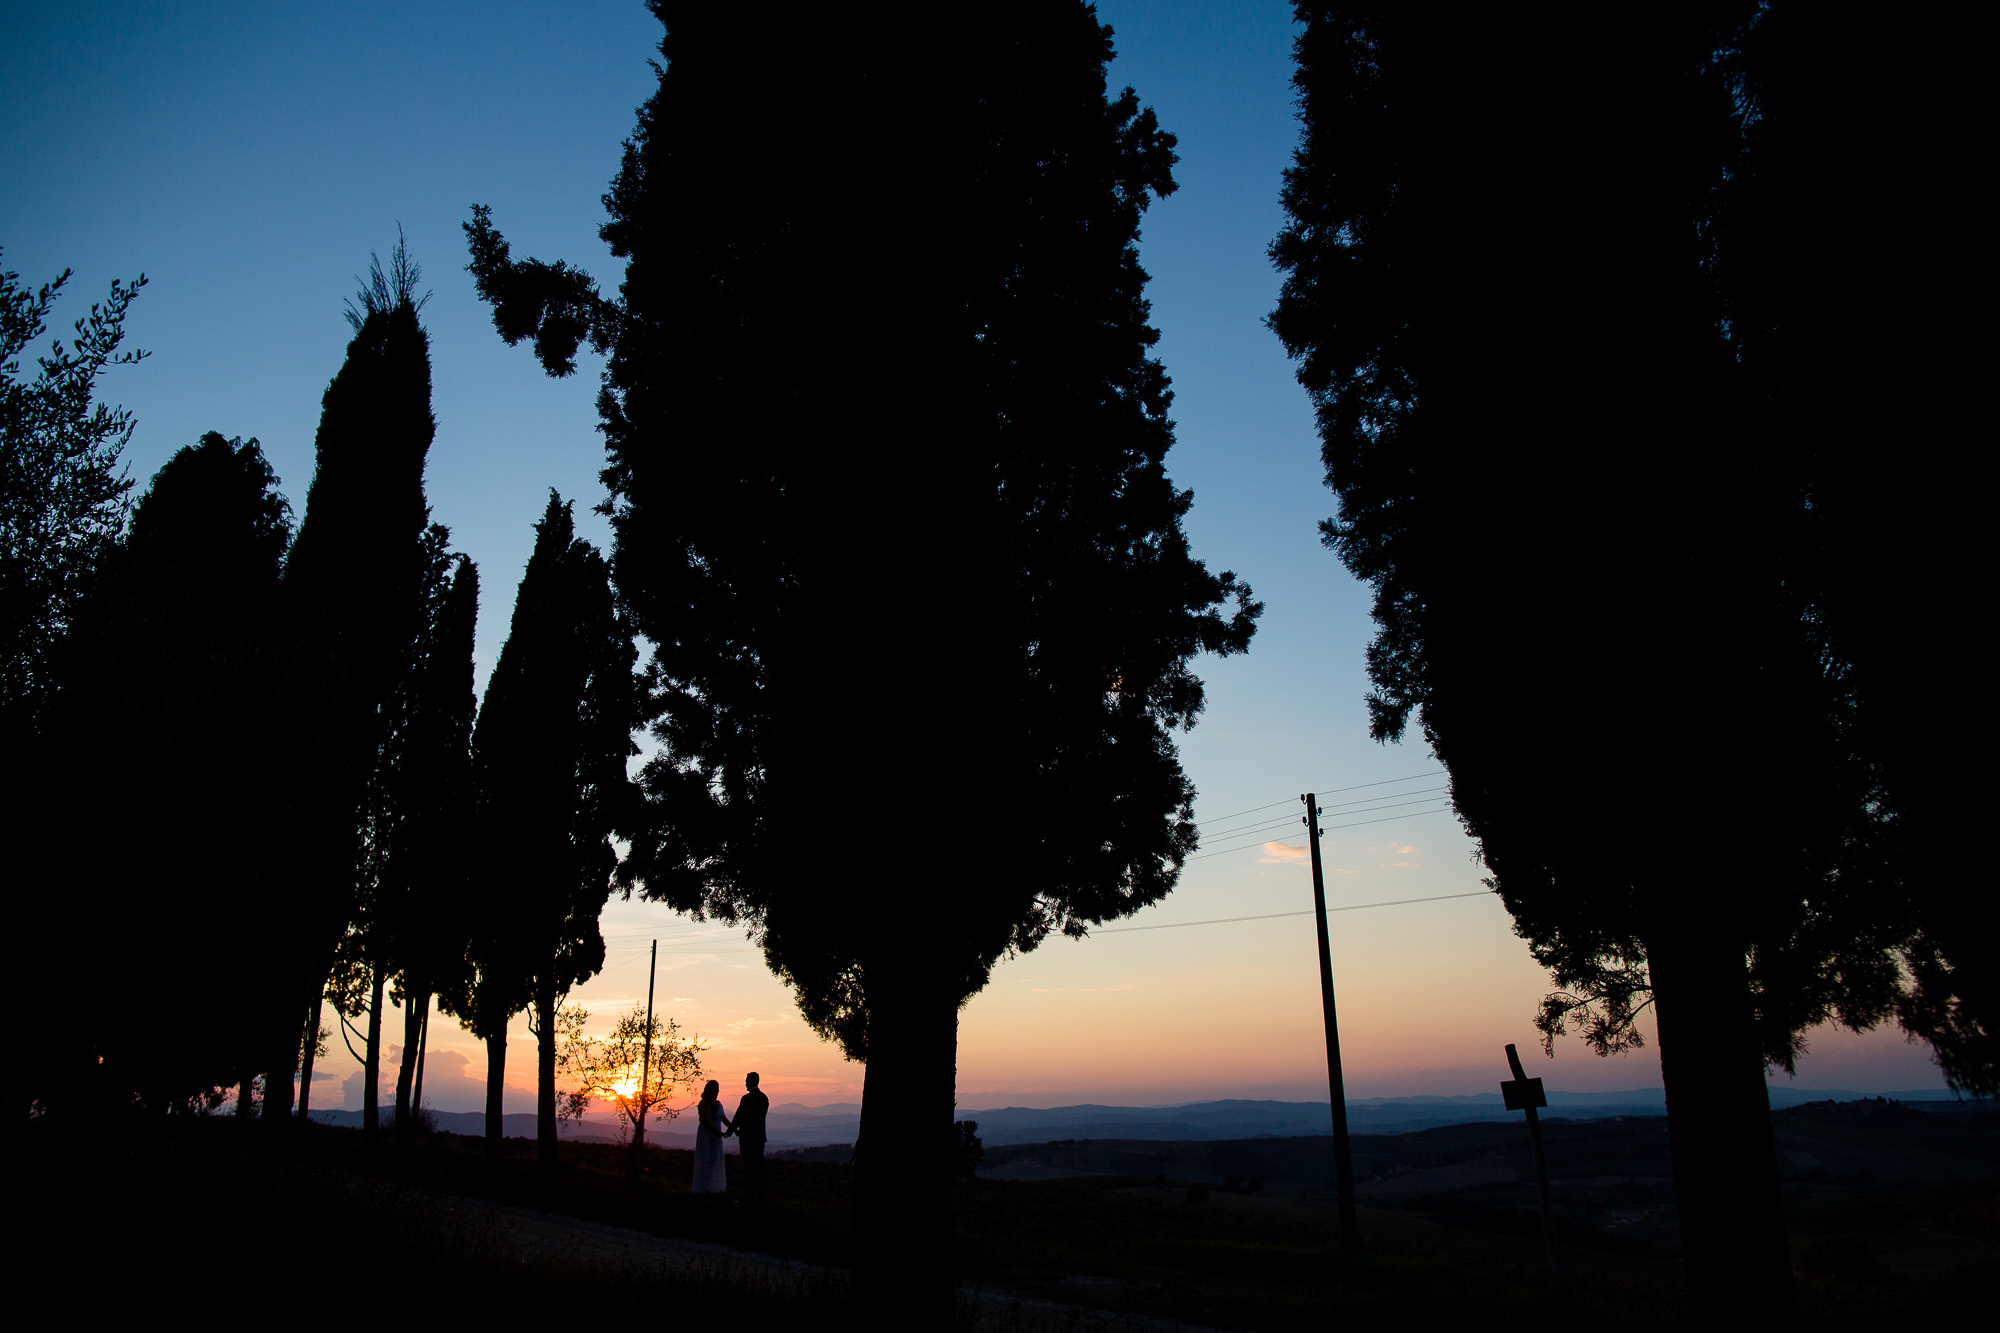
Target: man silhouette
[748, 1126]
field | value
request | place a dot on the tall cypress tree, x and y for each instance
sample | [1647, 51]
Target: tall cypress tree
[886, 455]
[1830, 107]
[549, 753]
[425, 869]
[1525, 288]
[170, 668]
[417, 792]
[353, 604]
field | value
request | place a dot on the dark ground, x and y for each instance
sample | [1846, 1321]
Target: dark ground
[1894, 1213]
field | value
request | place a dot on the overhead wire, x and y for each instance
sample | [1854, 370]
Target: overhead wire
[1414, 814]
[1303, 911]
[1381, 803]
[685, 944]
[1331, 791]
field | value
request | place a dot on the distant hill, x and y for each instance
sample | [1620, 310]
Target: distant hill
[1210, 1121]
[793, 1125]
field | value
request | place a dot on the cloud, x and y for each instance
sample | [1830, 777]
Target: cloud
[1393, 853]
[1283, 853]
[354, 1089]
[745, 1024]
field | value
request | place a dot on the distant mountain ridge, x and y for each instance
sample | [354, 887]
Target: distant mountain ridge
[793, 1125]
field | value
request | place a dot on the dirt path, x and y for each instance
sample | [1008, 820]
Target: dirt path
[527, 1235]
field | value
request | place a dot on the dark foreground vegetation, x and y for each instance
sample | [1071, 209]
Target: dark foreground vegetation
[210, 1209]
[1894, 1212]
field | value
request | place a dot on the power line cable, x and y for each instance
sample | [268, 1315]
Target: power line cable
[1306, 911]
[1372, 804]
[1331, 791]
[1414, 814]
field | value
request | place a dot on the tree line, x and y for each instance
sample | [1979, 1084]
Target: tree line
[258, 747]
[885, 452]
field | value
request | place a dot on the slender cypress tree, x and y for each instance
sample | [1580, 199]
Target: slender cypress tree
[425, 870]
[353, 604]
[549, 754]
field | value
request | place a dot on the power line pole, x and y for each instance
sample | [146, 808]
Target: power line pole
[1343, 1161]
[645, 1088]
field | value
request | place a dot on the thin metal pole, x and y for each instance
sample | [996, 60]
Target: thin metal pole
[1343, 1161]
[646, 1065]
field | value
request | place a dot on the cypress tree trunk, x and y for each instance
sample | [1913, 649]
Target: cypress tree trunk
[371, 1111]
[285, 1054]
[545, 1076]
[902, 1188]
[423, 1049]
[310, 1047]
[413, 1020]
[1732, 1225]
[244, 1095]
[496, 1082]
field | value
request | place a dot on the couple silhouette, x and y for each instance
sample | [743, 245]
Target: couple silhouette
[747, 1127]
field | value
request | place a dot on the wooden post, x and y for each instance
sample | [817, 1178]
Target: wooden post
[645, 1090]
[1525, 1094]
[1343, 1161]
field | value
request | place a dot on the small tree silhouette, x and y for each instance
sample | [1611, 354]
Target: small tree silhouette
[621, 1070]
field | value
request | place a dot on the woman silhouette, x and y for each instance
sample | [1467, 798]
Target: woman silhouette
[710, 1176]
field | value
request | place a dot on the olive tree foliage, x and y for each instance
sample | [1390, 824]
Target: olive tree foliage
[63, 492]
[619, 1070]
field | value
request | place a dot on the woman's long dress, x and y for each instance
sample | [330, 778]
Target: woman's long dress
[710, 1176]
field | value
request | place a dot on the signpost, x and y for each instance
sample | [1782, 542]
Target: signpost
[1525, 1094]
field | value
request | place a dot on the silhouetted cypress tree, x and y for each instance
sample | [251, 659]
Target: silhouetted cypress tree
[1830, 336]
[1525, 290]
[886, 456]
[416, 789]
[425, 871]
[549, 753]
[168, 678]
[352, 594]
